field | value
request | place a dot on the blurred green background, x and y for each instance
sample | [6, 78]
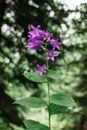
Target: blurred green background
[69, 25]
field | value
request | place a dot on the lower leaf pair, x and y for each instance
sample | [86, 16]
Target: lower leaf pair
[34, 125]
[59, 104]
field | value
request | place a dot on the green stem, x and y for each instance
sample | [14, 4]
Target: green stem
[49, 116]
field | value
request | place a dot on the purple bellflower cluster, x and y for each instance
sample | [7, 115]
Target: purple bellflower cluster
[37, 39]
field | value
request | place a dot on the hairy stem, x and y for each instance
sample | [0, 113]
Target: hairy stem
[49, 116]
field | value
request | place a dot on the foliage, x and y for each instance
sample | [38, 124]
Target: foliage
[15, 17]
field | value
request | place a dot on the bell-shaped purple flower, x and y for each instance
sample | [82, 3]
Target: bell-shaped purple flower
[55, 43]
[36, 33]
[34, 44]
[51, 54]
[35, 38]
[47, 35]
[41, 69]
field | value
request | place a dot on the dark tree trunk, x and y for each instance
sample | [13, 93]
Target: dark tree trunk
[9, 112]
[84, 121]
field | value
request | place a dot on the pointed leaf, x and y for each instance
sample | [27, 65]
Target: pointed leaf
[34, 125]
[56, 109]
[32, 102]
[62, 100]
[33, 76]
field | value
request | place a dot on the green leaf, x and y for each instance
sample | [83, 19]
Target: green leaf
[33, 76]
[34, 125]
[53, 74]
[56, 109]
[32, 102]
[62, 100]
